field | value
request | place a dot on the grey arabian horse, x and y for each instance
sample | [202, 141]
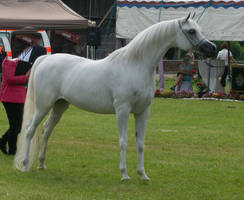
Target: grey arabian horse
[125, 84]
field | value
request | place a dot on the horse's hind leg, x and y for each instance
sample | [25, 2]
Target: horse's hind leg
[140, 126]
[56, 113]
[30, 131]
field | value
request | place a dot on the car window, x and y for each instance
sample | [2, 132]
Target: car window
[6, 34]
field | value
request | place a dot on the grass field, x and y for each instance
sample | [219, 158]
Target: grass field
[194, 150]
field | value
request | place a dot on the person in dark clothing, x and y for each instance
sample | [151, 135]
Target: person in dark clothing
[14, 113]
[31, 53]
[36, 52]
[12, 96]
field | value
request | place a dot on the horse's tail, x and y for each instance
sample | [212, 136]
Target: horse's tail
[29, 109]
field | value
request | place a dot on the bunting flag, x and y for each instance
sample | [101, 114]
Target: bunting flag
[219, 19]
[177, 4]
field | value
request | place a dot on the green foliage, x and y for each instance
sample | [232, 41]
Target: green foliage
[194, 150]
[242, 43]
[235, 48]
[242, 53]
[218, 44]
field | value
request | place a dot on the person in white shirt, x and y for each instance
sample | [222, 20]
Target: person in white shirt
[26, 53]
[223, 55]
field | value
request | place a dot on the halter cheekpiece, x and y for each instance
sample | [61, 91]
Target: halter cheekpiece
[193, 42]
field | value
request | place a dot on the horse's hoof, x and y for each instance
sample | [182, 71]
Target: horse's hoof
[125, 178]
[41, 167]
[145, 178]
[143, 175]
[24, 169]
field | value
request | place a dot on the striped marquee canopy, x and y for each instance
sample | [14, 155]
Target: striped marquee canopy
[220, 20]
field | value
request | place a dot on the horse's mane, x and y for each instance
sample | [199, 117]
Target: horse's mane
[137, 48]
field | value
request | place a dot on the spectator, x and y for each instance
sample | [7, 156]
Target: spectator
[2, 56]
[31, 52]
[223, 55]
[12, 96]
[185, 72]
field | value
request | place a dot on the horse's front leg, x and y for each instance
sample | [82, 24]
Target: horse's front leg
[122, 115]
[140, 126]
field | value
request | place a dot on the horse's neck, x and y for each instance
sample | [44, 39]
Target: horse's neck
[149, 47]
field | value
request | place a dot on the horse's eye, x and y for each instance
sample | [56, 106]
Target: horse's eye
[192, 31]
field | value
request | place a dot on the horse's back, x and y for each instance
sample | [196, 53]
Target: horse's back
[60, 65]
[78, 80]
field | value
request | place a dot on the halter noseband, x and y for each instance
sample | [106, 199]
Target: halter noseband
[193, 42]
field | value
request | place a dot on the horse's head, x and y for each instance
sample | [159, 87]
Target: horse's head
[190, 37]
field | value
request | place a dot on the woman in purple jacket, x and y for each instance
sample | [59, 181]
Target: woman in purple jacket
[12, 96]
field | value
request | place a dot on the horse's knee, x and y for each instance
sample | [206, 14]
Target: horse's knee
[123, 145]
[140, 147]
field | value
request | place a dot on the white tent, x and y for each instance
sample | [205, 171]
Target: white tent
[219, 19]
[39, 14]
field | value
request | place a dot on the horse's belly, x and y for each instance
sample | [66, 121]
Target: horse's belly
[96, 105]
[98, 109]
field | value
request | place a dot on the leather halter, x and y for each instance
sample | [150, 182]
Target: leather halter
[196, 44]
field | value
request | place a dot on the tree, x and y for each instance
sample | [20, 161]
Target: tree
[235, 48]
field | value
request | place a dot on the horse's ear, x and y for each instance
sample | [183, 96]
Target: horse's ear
[186, 18]
[194, 14]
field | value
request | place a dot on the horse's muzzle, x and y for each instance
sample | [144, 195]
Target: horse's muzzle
[207, 48]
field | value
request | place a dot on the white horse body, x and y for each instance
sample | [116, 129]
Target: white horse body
[107, 84]
[122, 83]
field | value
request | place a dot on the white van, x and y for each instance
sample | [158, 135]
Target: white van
[12, 40]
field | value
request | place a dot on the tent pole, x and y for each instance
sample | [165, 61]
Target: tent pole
[90, 9]
[89, 17]
[209, 73]
[90, 50]
[105, 16]
[229, 75]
